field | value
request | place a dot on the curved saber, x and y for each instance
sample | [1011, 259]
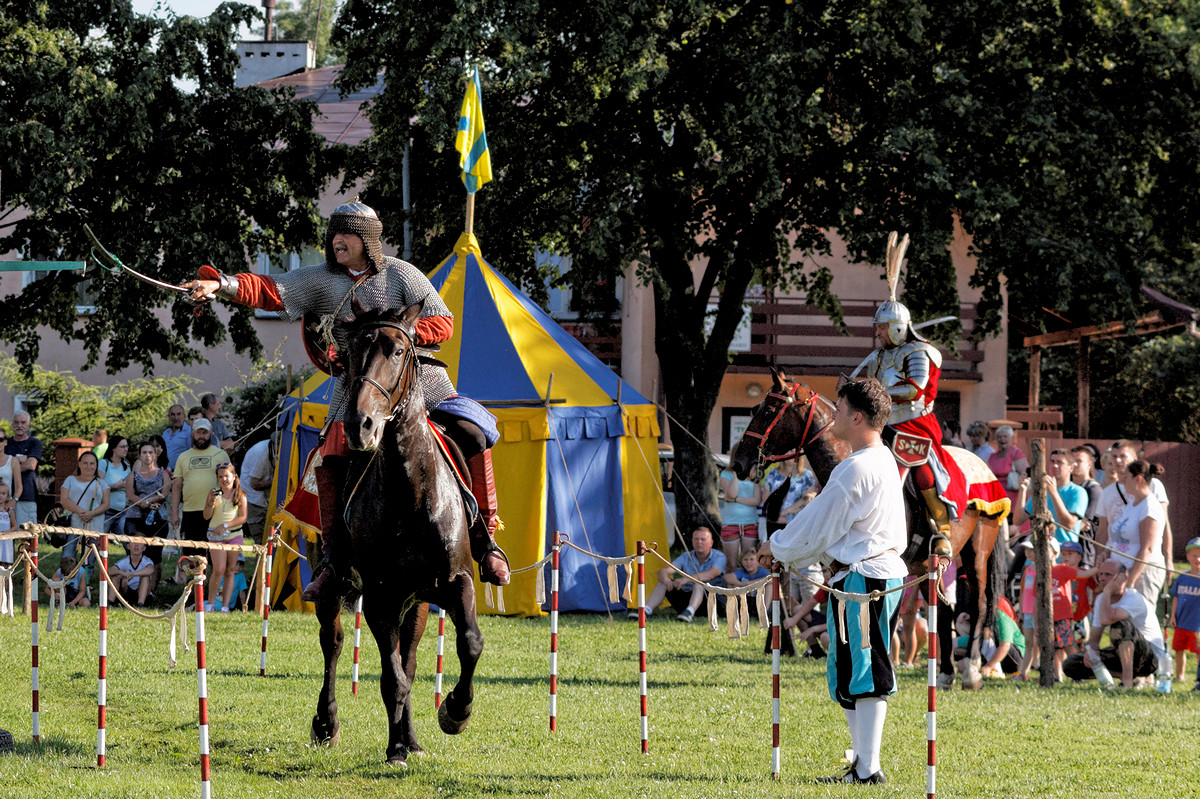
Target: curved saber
[112, 262]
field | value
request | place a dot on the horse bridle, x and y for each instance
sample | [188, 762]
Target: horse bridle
[410, 358]
[788, 399]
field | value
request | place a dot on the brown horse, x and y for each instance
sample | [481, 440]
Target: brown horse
[794, 420]
[406, 524]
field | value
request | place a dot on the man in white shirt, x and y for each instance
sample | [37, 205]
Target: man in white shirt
[1134, 626]
[857, 524]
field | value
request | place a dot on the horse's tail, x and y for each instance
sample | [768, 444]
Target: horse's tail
[993, 589]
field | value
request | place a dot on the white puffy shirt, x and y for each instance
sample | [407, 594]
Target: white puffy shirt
[857, 519]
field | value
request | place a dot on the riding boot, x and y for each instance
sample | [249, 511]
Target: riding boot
[493, 563]
[327, 494]
[937, 510]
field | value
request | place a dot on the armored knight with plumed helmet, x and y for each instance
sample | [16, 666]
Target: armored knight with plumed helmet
[908, 366]
[357, 275]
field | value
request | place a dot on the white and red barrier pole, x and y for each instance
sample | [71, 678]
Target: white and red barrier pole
[357, 644]
[641, 600]
[202, 691]
[102, 690]
[931, 714]
[554, 631]
[775, 650]
[441, 652]
[33, 617]
[266, 597]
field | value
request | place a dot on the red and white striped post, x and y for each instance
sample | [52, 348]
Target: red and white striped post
[775, 650]
[441, 652]
[931, 714]
[202, 690]
[554, 631]
[262, 660]
[33, 617]
[641, 600]
[102, 690]
[357, 644]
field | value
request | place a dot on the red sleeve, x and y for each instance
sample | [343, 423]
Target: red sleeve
[430, 329]
[257, 291]
[821, 595]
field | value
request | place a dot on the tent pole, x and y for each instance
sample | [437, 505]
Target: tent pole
[549, 386]
[470, 226]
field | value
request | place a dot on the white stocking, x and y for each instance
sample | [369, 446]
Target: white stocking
[871, 714]
[852, 722]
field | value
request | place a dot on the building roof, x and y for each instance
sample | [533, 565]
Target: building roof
[341, 120]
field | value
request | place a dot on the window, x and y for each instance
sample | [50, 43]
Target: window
[281, 264]
[568, 303]
[85, 300]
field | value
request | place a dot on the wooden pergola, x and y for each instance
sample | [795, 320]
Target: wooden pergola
[1165, 315]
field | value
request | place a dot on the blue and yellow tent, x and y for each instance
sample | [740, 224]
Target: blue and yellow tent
[570, 458]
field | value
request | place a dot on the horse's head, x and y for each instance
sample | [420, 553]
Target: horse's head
[790, 417]
[381, 371]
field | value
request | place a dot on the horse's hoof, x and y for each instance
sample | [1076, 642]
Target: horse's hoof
[973, 680]
[945, 682]
[321, 736]
[450, 725]
[397, 760]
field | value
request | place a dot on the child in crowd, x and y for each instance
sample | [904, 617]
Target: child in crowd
[77, 591]
[748, 573]
[810, 622]
[1185, 612]
[1029, 606]
[134, 574]
[240, 587]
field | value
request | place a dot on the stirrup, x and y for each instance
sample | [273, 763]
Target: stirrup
[495, 575]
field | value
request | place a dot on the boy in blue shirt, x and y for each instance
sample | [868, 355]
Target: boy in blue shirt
[1185, 613]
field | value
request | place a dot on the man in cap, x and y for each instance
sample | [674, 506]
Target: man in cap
[355, 268]
[908, 366]
[195, 476]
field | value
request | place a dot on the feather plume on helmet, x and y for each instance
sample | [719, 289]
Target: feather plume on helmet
[892, 312]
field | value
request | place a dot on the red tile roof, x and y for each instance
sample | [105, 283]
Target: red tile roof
[339, 120]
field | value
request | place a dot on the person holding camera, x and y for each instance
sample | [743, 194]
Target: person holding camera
[225, 510]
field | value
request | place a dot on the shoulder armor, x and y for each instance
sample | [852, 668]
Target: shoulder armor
[923, 347]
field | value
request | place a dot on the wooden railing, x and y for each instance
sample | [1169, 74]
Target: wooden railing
[789, 335]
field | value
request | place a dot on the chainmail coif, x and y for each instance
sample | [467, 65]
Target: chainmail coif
[361, 220]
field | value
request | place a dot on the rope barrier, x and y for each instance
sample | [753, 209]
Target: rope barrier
[31, 529]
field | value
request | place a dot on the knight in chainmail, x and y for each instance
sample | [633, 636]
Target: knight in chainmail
[356, 269]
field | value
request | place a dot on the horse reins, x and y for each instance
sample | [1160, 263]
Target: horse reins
[410, 357]
[788, 399]
[398, 404]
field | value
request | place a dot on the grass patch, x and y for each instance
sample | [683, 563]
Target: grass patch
[710, 718]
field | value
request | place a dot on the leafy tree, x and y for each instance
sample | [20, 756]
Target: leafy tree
[67, 407]
[256, 403]
[132, 125]
[707, 143]
[310, 20]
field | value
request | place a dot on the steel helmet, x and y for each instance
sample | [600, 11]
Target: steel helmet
[897, 318]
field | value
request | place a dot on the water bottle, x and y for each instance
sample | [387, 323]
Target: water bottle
[1164, 684]
[1103, 676]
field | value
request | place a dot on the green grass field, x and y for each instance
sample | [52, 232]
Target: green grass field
[710, 721]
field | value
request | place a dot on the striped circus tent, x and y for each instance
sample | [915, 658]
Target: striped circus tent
[570, 458]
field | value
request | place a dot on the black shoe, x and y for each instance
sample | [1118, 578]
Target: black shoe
[878, 778]
[849, 776]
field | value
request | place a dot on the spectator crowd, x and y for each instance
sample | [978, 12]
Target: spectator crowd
[181, 484]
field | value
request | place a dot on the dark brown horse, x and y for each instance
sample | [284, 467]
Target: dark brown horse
[794, 420]
[406, 524]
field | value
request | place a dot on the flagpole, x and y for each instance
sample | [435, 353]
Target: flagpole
[470, 226]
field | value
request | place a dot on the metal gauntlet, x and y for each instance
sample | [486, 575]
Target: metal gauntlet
[228, 287]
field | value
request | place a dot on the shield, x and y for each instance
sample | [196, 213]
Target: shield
[910, 450]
